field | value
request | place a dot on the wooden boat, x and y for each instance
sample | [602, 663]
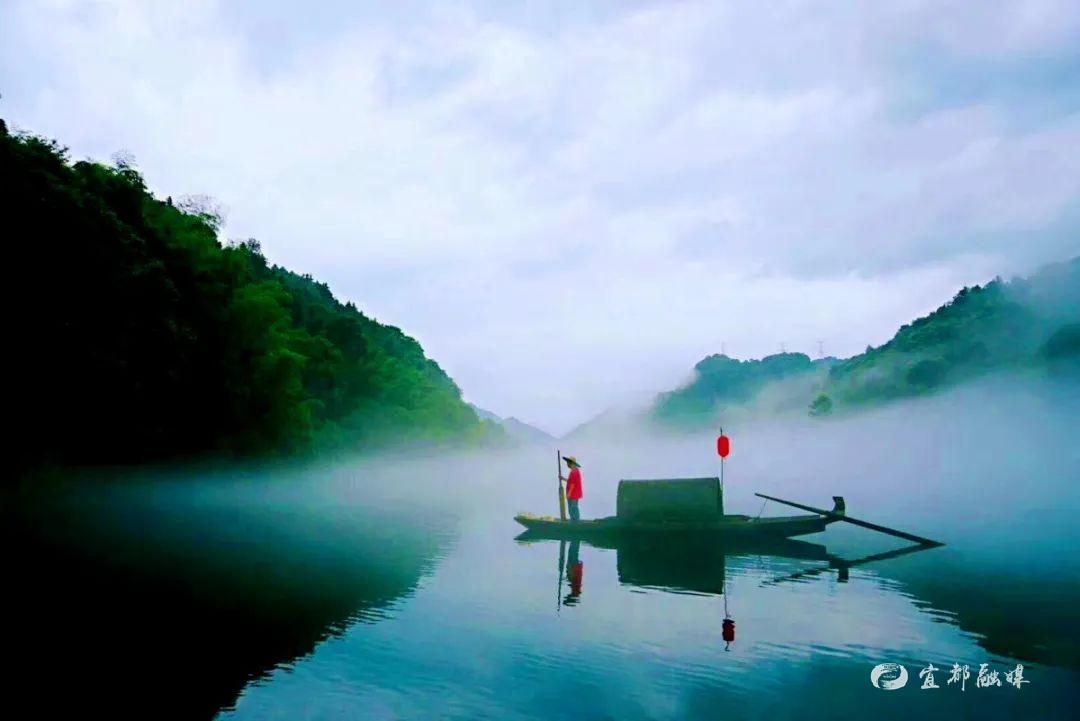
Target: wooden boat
[729, 525]
[694, 506]
[674, 505]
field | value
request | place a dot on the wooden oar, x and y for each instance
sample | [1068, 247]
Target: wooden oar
[843, 566]
[865, 524]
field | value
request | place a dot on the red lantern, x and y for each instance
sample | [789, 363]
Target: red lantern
[728, 627]
[723, 446]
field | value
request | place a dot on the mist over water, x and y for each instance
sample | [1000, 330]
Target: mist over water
[392, 586]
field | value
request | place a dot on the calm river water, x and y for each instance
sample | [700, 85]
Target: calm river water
[395, 588]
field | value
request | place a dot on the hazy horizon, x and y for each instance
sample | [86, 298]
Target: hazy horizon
[569, 206]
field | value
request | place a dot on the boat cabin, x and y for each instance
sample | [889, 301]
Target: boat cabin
[670, 500]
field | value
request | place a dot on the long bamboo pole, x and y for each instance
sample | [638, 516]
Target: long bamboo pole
[865, 524]
[562, 565]
[562, 491]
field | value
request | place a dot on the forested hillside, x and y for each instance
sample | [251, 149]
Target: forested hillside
[1026, 325]
[720, 381]
[138, 335]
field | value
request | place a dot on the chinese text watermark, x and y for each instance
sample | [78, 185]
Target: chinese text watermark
[893, 676]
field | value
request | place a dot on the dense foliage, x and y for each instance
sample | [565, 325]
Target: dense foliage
[1023, 324]
[1027, 324]
[139, 335]
[821, 406]
[1062, 349]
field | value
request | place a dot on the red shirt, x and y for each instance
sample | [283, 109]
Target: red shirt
[573, 485]
[577, 574]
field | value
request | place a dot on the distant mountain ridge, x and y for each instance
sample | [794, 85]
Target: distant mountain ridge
[1020, 325]
[514, 428]
[1026, 325]
[720, 380]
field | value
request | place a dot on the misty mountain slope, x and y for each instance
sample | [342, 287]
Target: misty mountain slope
[516, 430]
[141, 336]
[1023, 325]
[720, 381]
[610, 423]
[1019, 325]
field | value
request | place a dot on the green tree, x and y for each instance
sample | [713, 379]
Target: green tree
[821, 406]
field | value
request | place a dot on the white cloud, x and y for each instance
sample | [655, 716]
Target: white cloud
[570, 207]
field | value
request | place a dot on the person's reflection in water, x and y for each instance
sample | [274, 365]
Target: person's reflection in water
[575, 572]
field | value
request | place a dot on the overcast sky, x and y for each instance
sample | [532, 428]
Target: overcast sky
[569, 204]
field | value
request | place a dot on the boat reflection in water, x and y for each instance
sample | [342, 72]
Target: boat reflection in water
[696, 564]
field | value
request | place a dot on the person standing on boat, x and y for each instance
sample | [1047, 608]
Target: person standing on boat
[573, 487]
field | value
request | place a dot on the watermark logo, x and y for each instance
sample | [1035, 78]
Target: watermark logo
[888, 676]
[893, 676]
